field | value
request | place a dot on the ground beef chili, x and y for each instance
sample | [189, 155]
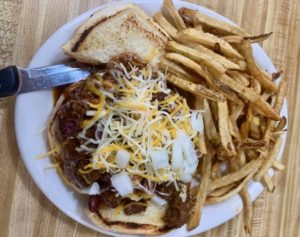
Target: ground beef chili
[135, 208]
[127, 59]
[160, 96]
[178, 212]
[110, 198]
[94, 203]
[70, 116]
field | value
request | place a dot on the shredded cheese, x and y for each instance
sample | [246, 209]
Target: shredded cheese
[131, 117]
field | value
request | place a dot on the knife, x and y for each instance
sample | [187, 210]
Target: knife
[15, 80]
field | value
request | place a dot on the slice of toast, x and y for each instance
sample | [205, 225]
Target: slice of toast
[115, 30]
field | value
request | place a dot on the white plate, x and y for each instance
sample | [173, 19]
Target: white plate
[33, 109]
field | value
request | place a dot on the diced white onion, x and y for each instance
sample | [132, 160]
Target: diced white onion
[197, 122]
[122, 183]
[158, 200]
[177, 156]
[189, 152]
[91, 112]
[122, 158]
[94, 189]
[186, 178]
[188, 168]
[159, 159]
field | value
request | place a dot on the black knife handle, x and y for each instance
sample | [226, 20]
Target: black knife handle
[9, 81]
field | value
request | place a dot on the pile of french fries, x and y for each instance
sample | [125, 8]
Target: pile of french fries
[213, 61]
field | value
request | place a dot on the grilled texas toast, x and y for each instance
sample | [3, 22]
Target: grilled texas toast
[115, 30]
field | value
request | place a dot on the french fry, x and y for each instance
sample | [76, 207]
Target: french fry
[177, 70]
[209, 40]
[198, 26]
[268, 182]
[167, 26]
[239, 77]
[195, 88]
[217, 57]
[197, 56]
[252, 96]
[223, 123]
[277, 108]
[236, 39]
[258, 38]
[254, 144]
[236, 176]
[220, 26]
[276, 75]
[243, 91]
[267, 75]
[281, 125]
[247, 210]
[190, 64]
[221, 191]
[172, 11]
[245, 127]
[209, 125]
[278, 165]
[255, 125]
[254, 70]
[212, 200]
[215, 170]
[227, 92]
[194, 220]
[268, 161]
[251, 154]
[199, 104]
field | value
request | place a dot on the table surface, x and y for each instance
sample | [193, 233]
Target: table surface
[26, 24]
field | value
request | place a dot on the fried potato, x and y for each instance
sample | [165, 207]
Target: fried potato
[212, 200]
[268, 160]
[194, 220]
[223, 123]
[209, 40]
[235, 176]
[278, 165]
[254, 70]
[247, 209]
[221, 191]
[209, 125]
[177, 70]
[239, 77]
[227, 92]
[236, 39]
[258, 38]
[254, 144]
[281, 125]
[195, 88]
[197, 56]
[220, 26]
[252, 96]
[190, 64]
[276, 75]
[277, 108]
[217, 57]
[172, 11]
[167, 26]
[268, 182]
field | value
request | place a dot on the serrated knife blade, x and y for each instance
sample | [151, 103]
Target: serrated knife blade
[14, 80]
